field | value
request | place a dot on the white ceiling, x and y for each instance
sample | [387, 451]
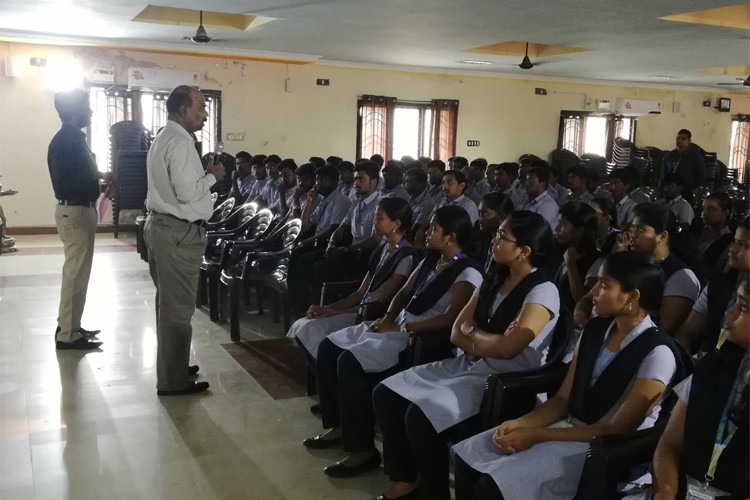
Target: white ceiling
[627, 41]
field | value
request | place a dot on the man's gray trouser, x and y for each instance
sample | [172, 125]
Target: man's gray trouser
[77, 229]
[175, 248]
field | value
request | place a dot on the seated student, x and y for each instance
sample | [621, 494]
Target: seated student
[506, 326]
[576, 243]
[655, 232]
[325, 209]
[458, 163]
[346, 179]
[454, 183]
[258, 166]
[606, 224]
[378, 160]
[671, 188]
[270, 191]
[712, 406]
[296, 204]
[578, 182]
[393, 179]
[703, 330]
[619, 186]
[286, 188]
[493, 210]
[505, 178]
[490, 176]
[389, 267]
[713, 235]
[615, 383]
[242, 178]
[351, 361]
[435, 170]
[477, 185]
[420, 201]
[334, 160]
[538, 199]
[317, 161]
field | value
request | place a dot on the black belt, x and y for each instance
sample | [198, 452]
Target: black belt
[199, 222]
[76, 203]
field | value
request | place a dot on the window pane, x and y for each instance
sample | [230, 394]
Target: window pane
[427, 133]
[624, 128]
[595, 135]
[406, 132]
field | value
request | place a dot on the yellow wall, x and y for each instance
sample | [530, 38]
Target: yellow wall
[502, 113]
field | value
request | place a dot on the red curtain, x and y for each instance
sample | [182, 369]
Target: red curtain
[375, 131]
[444, 125]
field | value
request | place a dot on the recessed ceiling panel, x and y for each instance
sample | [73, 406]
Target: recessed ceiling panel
[189, 17]
[731, 16]
[519, 49]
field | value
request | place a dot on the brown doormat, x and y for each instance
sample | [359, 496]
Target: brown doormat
[276, 364]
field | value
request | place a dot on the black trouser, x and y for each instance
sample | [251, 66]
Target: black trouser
[346, 396]
[412, 448]
[472, 484]
[300, 276]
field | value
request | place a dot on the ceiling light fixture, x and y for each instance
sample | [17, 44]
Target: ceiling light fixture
[472, 61]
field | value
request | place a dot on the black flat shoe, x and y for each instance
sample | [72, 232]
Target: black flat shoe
[340, 470]
[88, 334]
[193, 370]
[315, 409]
[412, 495]
[82, 344]
[192, 388]
[320, 443]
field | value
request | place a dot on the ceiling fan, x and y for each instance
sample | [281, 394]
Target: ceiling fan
[526, 62]
[740, 81]
[200, 34]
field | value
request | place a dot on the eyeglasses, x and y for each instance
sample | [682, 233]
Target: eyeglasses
[501, 237]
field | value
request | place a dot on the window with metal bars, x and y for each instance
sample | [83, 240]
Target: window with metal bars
[739, 148]
[113, 104]
[582, 132]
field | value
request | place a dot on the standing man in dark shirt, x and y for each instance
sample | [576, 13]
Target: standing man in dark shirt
[686, 161]
[75, 180]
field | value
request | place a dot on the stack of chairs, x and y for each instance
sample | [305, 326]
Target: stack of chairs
[129, 142]
[621, 152]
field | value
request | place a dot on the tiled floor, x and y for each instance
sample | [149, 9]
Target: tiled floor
[89, 426]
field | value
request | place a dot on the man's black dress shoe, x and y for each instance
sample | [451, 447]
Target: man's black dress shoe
[320, 443]
[315, 409]
[340, 470]
[192, 388]
[412, 495]
[81, 344]
[84, 333]
[193, 370]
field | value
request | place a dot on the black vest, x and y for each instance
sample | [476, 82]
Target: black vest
[670, 265]
[712, 384]
[720, 290]
[589, 403]
[386, 270]
[509, 308]
[562, 280]
[426, 298]
[715, 249]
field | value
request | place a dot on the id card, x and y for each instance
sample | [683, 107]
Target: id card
[700, 491]
[401, 317]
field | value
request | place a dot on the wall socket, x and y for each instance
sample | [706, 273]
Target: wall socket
[235, 137]
[323, 82]
[472, 143]
[540, 91]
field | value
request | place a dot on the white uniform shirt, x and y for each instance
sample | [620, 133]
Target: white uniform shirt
[177, 184]
[463, 202]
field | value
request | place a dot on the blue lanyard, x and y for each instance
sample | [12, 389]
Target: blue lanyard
[383, 259]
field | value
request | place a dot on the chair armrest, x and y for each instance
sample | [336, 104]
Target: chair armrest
[258, 256]
[426, 347]
[373, 310]
[511, 395]
[610, 458]
[333, 291]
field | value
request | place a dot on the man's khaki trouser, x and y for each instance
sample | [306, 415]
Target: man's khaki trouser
[175, 248]
[77, 229]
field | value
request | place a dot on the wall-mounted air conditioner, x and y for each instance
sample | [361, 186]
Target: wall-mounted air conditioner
[637, 107]
[160, 79]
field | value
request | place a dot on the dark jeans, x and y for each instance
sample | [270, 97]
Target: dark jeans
[412, 449]
[346, 396]
[472, 484]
